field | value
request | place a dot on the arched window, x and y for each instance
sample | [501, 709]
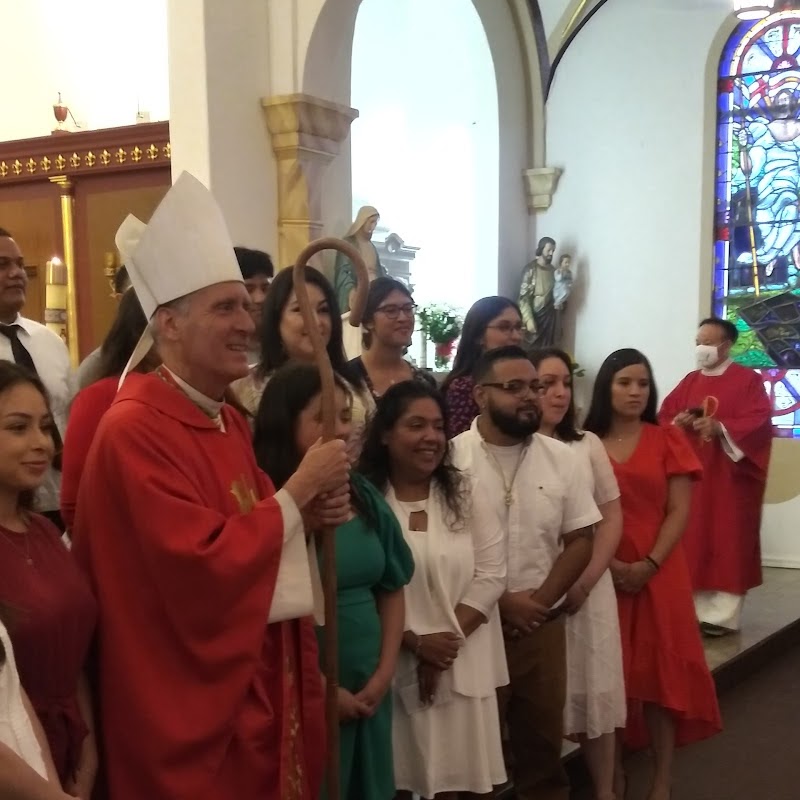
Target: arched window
[757, 220]
[425, 148]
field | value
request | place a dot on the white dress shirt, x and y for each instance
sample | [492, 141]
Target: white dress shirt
[550, 497]
[51, 357]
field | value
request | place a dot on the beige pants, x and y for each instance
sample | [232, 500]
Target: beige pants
[532, 712]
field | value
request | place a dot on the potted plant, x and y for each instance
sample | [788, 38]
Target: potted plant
[440, 324]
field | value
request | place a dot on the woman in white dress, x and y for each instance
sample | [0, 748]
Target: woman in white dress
[596, 706]
[445, 722]
[27, 771]
[284, 338]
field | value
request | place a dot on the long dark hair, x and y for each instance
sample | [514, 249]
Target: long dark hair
[286, 394]
[273, 352]
[483, 311]
[567, 429]
[601, 412]
[379, 290]
[12, 375]
[375, 463]
[122, 337]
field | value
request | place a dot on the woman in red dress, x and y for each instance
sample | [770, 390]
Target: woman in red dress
[93, 401]
[671, 696]
[54, 608]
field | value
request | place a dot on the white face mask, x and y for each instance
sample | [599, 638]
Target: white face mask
[706, 356]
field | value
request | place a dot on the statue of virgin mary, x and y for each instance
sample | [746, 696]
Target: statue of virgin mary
[344, 276]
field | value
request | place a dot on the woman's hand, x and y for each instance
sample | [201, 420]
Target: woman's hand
[439, 650]
[639, 573]
[373, 692]
[82, 781]
[429, 677]
[328, 510]
[576, 597]
[350, 707]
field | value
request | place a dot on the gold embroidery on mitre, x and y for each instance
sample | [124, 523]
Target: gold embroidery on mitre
[245, 495]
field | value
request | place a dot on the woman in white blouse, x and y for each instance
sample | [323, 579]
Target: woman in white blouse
[283, 338]
[596, 706]
[27, 771]
[446, 733]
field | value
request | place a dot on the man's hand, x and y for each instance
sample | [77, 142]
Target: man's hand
[684, 420]
[324, 468]
[522, 611]
[429, 678]
[328, 510]
[707, 427]
[439, 650]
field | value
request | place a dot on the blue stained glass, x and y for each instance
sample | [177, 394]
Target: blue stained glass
[757, 205]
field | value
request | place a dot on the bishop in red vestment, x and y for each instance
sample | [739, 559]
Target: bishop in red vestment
[727, 412]
[207, 665]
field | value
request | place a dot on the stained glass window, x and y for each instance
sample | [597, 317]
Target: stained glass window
[757, 219]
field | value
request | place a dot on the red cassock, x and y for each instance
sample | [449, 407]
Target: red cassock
[200, 699]
[722, 538]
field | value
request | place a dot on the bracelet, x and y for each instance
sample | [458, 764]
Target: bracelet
[652, 562]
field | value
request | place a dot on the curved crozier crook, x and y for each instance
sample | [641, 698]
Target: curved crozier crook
[326, 538]
[309, 318]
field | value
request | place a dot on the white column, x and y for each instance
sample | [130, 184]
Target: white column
[219, 71]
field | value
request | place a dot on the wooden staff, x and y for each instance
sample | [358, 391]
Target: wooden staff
[326, 541]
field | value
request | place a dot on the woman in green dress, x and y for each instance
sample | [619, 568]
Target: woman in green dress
[373, 564]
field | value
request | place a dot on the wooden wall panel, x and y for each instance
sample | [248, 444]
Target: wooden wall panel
[101, 204]
[32, 214]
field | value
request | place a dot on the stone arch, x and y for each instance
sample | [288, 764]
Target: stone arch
[510, 34]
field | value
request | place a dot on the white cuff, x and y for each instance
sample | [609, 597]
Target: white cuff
[292, 519]
[729, 446]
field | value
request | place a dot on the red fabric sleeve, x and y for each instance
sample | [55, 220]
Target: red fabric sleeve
[680, 458]
[751, 427]
[84, 416]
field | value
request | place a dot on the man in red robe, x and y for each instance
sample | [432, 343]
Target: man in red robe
[726, 412]
[209, 685]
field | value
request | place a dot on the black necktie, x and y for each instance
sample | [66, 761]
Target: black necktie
[25, 359]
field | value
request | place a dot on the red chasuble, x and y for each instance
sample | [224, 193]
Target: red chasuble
[199, 698]
[722, 538]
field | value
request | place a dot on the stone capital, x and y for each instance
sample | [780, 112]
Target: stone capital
[541, 184]
[307, 133]
[301, 122]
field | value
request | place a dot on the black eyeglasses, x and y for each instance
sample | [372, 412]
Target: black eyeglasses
[518, 388]
[507, 327]
[393, 311]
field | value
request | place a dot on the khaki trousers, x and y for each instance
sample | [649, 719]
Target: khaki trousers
[532, 712]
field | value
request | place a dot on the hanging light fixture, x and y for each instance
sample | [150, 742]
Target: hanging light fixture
[753, 9]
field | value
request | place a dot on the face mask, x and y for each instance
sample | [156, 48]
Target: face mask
[706, 355]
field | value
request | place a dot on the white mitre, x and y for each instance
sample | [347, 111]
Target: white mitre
[185, 247]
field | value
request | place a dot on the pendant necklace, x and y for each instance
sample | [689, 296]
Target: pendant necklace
[26, 552]
[508, 486]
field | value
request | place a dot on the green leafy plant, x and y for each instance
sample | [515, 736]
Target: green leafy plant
[441, 324]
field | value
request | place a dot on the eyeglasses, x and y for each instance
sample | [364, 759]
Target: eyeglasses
[508, 327]
[393, 312]
[519, 388]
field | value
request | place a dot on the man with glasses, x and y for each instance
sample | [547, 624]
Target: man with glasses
[43, 352]
[258, 271]
[531, 486]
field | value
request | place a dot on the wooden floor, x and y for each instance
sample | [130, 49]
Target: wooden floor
[768, 610]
